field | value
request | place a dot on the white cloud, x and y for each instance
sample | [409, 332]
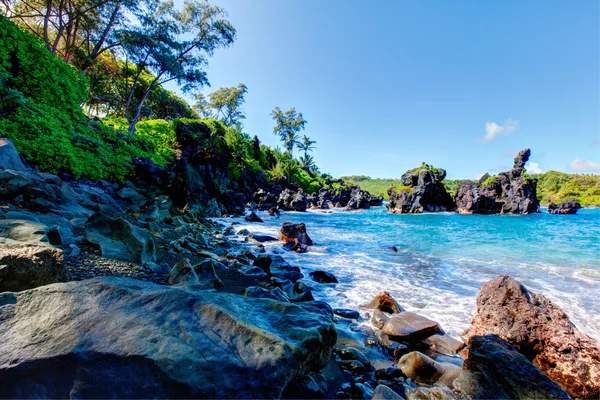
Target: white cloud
[579, 165]
[492, 129]
[534, 167]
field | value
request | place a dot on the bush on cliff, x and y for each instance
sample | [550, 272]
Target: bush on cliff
[50, 129]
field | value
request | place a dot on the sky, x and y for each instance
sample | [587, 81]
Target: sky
[386, 85]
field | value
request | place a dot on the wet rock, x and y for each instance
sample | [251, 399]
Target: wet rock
[382, 392]
[323, 277]
[262, 238]
[264, 263]
[292, 201]
[389, 373]
[25, 266]
[353, 366]
[397, 350]
[378, 319]
[496, 370]
[243, 232]
[127, 193]
[566, 207]
[295, 237]
[253, 218]
[384, 302]
[219, 345]
[407, 326]
[542, 332]
[346, 313]
[297, 292]
[423, 369]
[21, 215]
[444, 344]
[118, 238]
[352, 353]
[182, 272]
[23, 231]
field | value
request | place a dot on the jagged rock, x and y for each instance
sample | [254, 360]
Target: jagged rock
[423, 369]
[264, 263]
[295, 237]
[407, 326]
[21, 215]
[384, 302]
[127, 193]
[389, 373]
[118, 238]
[471, 200]
[290, 201]
[378, 319]
[566, 207]
[521, 159]
[323, 277]
[496, 370]
[425, 192]
[9, 157]
[542, 332]
[151, 173]
[182, 272]
[124, 338]
[253, 218]
[25, 266]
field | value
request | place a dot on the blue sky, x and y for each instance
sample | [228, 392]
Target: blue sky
[385, 85]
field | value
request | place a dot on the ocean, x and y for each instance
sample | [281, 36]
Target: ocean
[443, 258]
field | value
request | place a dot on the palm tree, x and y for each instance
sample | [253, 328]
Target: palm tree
[308, 162]
[306, 145]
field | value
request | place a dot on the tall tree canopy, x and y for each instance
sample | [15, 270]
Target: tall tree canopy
[174, 45]
[224, 104]
[288, 125]
[78, 31]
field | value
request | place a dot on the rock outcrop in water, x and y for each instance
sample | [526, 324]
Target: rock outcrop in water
[542, 332]
[509, 192]
[123, 338]
[566, 207]
[423, 191]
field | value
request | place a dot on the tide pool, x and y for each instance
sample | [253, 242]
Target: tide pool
[443, 258]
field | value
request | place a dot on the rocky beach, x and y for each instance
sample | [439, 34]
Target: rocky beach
[167, 286]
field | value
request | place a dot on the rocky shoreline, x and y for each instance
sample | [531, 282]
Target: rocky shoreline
[117, 291]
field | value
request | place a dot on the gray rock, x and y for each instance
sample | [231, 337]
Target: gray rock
[261, 293]
[124, 338]
[444, 344]
[27, 266]
[9, 157]
[407, 326]
[127, 193]
[423, 369]
[118, 238]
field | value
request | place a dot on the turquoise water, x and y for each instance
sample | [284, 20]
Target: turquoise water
[443, 259]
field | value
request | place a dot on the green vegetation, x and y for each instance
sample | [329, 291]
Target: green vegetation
[377, 187]
[423, 167]
[557, 187]
[489, 181]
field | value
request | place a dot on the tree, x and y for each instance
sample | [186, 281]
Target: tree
[306, 145]
[308, 162]
[174, 45]
[78, 31]
[288, 124]
[227, 103]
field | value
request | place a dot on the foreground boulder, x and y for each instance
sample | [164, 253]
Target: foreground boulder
[496, 370]
[407, 326]
[295, 237]
[542, 332]
[423, 191]
[123, 338]
[423, 369]
[566, 207]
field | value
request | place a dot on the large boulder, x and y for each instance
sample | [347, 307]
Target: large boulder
[406, 326]
[422, 369]
[27, 266]
[120, 239]
[124, 338]
[566, 207]
[423, 191]
[470, 199]
[292, 201]
[542, 332]
[295, 237]
[9, 157]
[496, 370]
